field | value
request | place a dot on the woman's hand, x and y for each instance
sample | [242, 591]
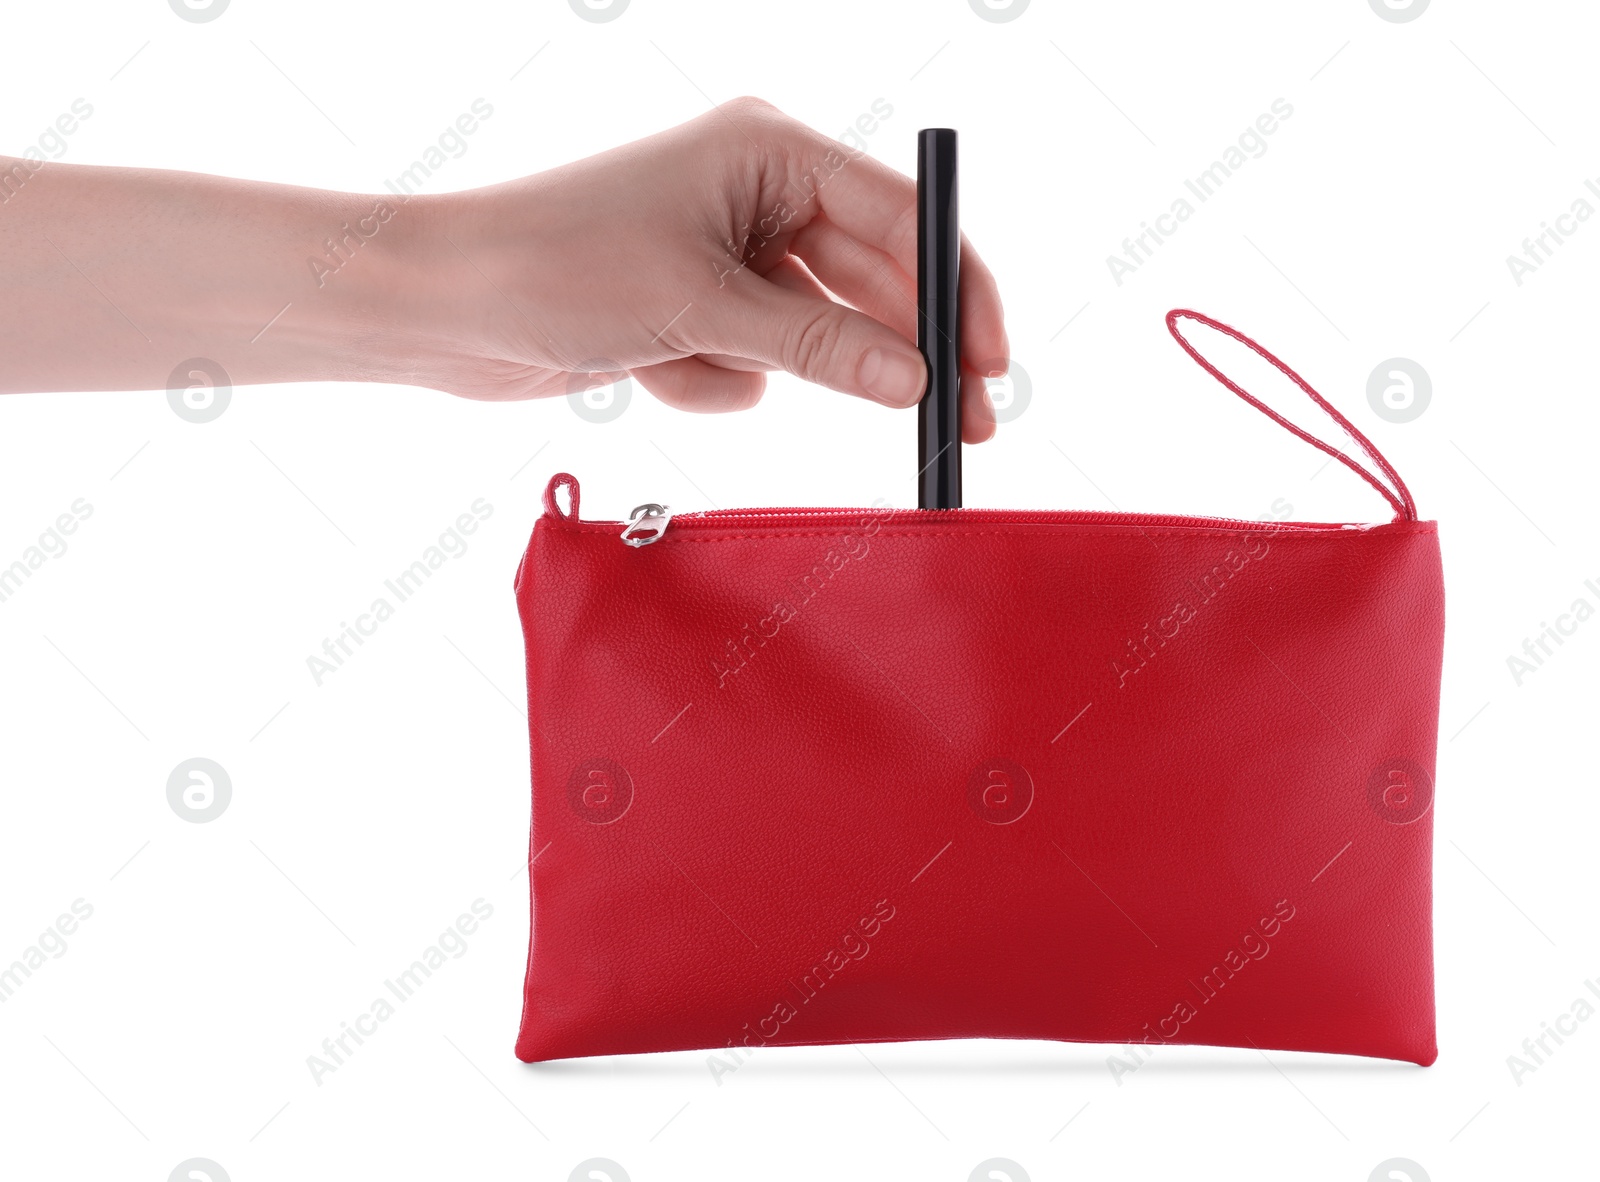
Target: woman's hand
[739, 242]
[696, 259]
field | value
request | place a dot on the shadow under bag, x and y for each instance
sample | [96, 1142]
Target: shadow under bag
[860, 775]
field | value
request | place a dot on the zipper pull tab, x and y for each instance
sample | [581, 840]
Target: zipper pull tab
[646, 524]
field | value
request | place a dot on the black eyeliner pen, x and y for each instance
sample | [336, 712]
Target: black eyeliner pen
[938, 280]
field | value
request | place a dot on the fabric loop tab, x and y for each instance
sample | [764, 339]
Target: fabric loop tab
[1398, 495]
[552, 506]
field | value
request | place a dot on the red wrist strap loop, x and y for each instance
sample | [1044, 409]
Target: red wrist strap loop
[1398, 496]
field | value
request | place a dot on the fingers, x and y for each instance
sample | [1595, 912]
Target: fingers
[877, 207]
[792, 274]
[706, 386]
[864, 276]
[864, 197]
[869, 202]
[728, 361]
[718, 382]
[874, 283]
[848, 266]
[789, 273]
[810, 336]
[689, 383]
[977, 412]
[985, 347]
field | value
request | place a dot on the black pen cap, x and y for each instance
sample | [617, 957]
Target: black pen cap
[939, 249]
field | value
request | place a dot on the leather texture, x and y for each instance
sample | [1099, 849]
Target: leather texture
[822, 776]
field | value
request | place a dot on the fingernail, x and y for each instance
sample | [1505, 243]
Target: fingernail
[894, 377]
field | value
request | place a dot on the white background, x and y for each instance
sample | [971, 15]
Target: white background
[368, 812]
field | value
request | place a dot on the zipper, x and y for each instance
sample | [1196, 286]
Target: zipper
[648, 522]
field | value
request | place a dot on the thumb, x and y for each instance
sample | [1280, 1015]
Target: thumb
[816, 339]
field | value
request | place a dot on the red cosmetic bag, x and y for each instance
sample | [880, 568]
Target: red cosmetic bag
[862, 775]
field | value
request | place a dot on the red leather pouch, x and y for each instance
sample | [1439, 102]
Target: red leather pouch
[833, 775]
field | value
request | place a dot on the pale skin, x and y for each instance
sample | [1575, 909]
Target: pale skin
[696, 259]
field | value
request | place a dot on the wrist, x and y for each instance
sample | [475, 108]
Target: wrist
[440, 291]
[370, 304]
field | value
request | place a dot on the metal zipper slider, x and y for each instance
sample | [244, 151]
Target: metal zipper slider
[646, 524]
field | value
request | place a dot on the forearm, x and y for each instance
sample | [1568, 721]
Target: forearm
[110, 277]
